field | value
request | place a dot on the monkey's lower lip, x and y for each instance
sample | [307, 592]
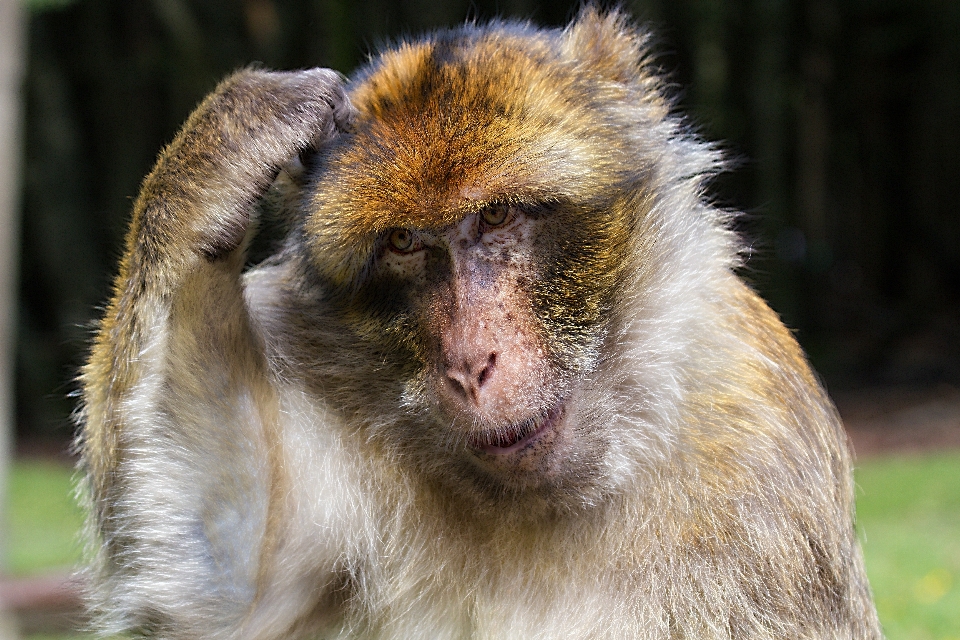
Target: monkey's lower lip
[516, 436]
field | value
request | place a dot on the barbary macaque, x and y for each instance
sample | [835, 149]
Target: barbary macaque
[498, 379]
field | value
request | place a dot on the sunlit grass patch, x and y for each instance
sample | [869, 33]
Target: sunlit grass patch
[908, 511]
[43, 519]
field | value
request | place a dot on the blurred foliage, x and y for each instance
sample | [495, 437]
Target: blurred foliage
[843, 115]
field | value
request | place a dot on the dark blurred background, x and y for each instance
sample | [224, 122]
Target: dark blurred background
[843, 116]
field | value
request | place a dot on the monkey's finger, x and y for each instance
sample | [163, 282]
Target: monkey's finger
[328, 86]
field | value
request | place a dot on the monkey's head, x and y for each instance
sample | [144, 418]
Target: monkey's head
[481, 231]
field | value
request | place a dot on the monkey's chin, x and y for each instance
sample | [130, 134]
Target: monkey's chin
[520, 441]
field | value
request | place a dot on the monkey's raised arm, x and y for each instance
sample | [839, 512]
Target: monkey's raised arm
[176, 375]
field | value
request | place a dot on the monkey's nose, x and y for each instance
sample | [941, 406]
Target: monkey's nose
[468, 379]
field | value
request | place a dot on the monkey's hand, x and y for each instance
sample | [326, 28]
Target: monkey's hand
[198, 198]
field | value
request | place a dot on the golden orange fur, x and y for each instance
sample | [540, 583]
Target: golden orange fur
[499, 381]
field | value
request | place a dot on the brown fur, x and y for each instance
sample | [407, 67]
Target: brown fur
[550, 409]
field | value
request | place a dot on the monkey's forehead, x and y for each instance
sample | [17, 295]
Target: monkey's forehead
[482, 114]
[476, 116]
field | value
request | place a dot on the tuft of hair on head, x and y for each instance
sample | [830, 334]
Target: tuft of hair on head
[606, 42]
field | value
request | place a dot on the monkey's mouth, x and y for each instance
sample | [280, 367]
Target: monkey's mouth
[514, 437]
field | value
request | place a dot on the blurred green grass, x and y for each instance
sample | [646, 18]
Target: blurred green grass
[908, 510]
[43, 518]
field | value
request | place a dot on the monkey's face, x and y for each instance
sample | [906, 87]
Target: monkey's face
[476, 230]
[499, 342]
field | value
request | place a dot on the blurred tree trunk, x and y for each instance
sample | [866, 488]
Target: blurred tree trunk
[768, 105]
[12, 54]
[813, 130]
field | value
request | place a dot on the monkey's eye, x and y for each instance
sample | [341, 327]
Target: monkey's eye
[496, 215]
[402, 240]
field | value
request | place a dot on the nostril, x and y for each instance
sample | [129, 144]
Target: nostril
[487, 370]
[457, 386]
[467, 382]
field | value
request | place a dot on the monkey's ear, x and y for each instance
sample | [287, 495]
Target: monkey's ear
[605, 42]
